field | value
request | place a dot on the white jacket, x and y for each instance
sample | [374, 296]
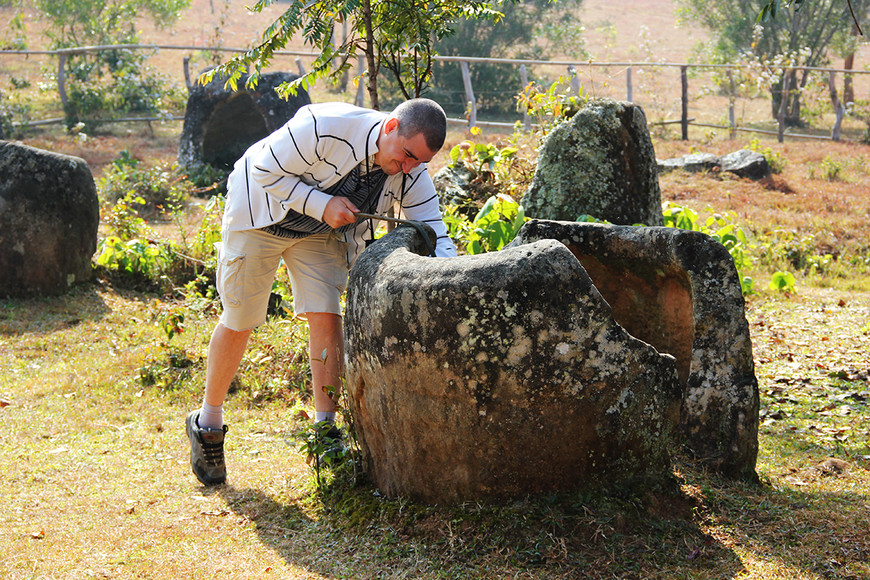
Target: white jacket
[290, 168]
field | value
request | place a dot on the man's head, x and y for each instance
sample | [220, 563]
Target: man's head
[411, 135]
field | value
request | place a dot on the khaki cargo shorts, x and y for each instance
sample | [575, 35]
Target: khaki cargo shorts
[249, 259]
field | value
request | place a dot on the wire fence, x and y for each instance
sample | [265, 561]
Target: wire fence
[706, 97]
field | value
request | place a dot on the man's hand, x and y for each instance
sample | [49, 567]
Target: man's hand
[339, 211]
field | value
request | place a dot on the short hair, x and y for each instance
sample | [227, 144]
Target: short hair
[422, 116]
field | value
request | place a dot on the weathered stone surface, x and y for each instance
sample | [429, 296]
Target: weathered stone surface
[746, 163]
[220, 124]
[694, 162]
[743, 163]
[453, 185]
[680, 292]
[49, 214]
[499, 375]
[599, 163]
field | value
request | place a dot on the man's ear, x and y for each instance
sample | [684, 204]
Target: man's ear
[391, 125]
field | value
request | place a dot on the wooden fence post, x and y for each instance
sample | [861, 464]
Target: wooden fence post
[61, 78]
[731, 118]
[575, 80]
[524, 76]
[629, 90]
[469, 94]
[300, 67]
[185, 64]
[839, 109]
[783, 104]
[684, 121]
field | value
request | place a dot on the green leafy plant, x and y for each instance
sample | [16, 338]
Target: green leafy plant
[774, 159]
[161, 189]
[123, 219]
[494, 226]
[171, 320]
[134, 257]
[720, 229]
[783, 282]
[552, 105]
[484, 159]
[99, 85]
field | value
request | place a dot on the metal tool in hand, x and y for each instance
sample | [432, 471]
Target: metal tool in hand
[417, 225]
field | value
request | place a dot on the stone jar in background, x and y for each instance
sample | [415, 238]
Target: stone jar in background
[49, 215]
[599, 163]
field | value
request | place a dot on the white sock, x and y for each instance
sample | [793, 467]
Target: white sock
[210, 416]
[324, 416]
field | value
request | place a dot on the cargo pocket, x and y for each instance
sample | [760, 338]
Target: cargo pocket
[230, 277]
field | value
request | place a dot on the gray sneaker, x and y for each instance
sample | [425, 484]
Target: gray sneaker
[206, 451]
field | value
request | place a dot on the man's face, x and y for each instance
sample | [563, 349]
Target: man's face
[397, 154]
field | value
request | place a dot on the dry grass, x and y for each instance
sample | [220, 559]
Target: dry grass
[97, 485]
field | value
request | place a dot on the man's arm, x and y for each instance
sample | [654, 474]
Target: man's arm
[421, 203]
[286, 157]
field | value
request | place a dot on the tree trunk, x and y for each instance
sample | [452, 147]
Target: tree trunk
[370, 54]
[786, 100]
[848, 90]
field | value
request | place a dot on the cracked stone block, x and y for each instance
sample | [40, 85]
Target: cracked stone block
[49, 215]
[499, 375]
[680, 292]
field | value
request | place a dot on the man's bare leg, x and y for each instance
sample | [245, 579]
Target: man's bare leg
[325, 334]
[225, 351]
[205, 428]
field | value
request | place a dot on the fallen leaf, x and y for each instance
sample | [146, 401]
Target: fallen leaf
[4, 403]
[38, 535]
[833, 466]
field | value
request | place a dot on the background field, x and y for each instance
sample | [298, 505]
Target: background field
[95, 477]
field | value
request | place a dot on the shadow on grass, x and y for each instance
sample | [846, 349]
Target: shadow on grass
[52, 313]
[360, 534]
[823, 532]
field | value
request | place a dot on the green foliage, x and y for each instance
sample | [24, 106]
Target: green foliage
[531, 29]
[831, 169]
[721, 229]
[161, 189]
[552, 105]
[134, 257]
[783, 282]
[171, 320]
[495, 225]
[774, 159]
[397, 36]
[481, 158]
[799, 38]
[782, 250]
[103, 84]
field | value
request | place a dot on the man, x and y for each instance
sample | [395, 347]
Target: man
[295, 195]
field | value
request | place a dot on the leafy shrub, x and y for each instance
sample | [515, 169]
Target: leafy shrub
[783, 282]
[551, 106]
[481, 158]
[495, 225]
[774, 159]
[720, 229]
[161, 189]
[134, 257]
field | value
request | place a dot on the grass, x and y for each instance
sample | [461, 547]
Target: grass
[97, 484]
